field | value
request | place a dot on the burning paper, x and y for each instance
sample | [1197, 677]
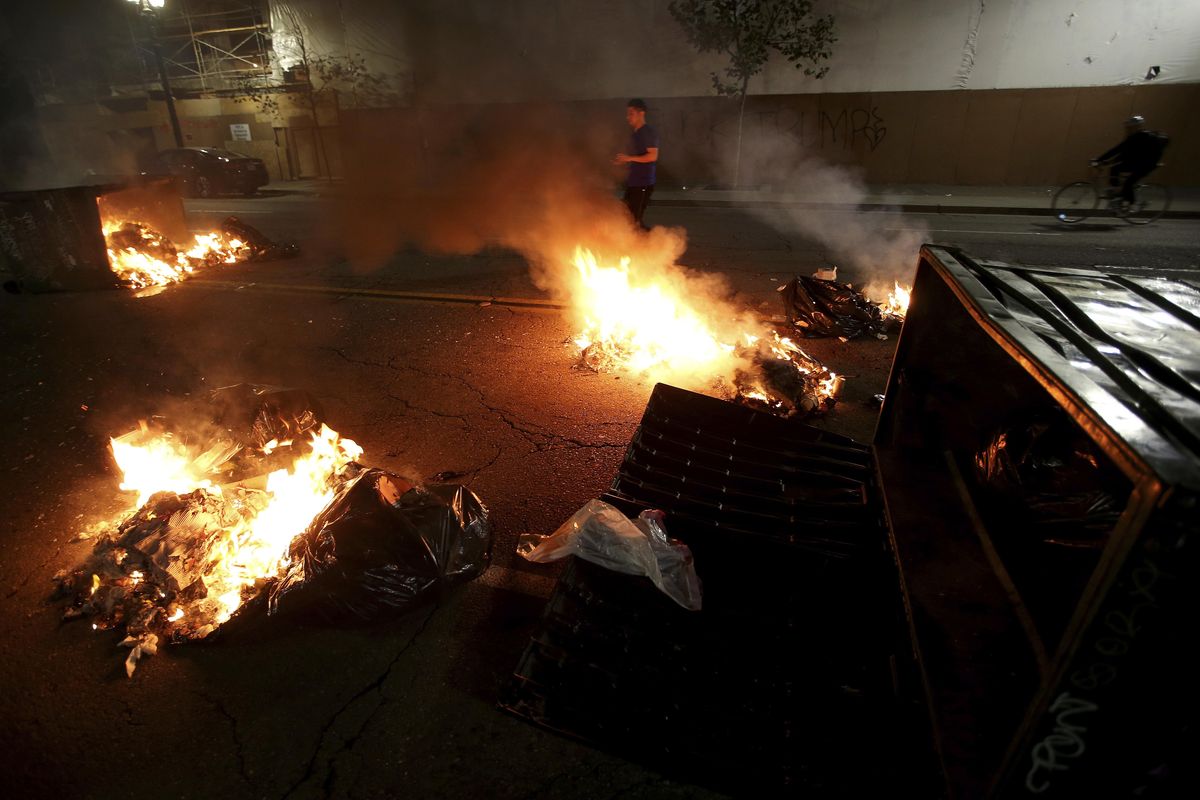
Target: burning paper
[656, 322]
[205, 537]
[142, 257]
[896, 305]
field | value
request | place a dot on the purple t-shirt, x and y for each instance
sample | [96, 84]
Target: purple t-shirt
[642, 139]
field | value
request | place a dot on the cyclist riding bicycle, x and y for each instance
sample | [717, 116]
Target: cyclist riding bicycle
[1133, 159]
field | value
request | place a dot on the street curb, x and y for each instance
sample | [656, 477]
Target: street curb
[382, 294]
[909, 208]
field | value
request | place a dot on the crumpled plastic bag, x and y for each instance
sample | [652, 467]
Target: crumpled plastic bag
[600, 533]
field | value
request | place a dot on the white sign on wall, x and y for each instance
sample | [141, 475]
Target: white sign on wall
[239, 132]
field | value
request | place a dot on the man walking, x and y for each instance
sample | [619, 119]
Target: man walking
[641, 158]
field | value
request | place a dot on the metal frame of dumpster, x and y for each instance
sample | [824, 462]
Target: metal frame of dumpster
[52, 239]
[787, 676]
[1048, 674]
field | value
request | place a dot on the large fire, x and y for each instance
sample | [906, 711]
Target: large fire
[639, 325]
[143, 257]
[196, 543]
[255, 545]
[648, 323]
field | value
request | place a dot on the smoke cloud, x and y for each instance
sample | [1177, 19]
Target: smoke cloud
[863, 240]
[534, 179]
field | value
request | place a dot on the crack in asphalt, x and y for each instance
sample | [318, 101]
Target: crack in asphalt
[29, 576]
[348, 742]
[410, 406]
[537, 436]
[239, 748]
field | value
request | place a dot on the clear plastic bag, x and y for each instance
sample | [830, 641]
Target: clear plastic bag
[600, 533]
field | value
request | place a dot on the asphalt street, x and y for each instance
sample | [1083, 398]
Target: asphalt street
[434, 364]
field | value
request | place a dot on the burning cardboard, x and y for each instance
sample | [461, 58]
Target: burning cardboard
[209, 540]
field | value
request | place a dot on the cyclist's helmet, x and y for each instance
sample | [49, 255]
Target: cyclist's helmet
[1135, 121]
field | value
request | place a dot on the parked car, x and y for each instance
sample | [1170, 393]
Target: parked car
[209, 171]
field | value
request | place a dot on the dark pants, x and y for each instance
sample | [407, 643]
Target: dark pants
[637, 198]
[1126, 176]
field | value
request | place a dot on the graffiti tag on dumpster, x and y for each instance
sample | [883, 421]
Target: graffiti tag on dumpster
[1064, 742]
[1111, 640]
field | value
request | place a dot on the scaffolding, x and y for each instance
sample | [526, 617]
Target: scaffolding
[208, 45]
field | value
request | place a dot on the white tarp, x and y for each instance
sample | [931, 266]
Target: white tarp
[577, 49]
[918, 45]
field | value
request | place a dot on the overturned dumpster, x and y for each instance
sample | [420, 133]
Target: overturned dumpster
[53, 239]
[1038, 453]
[993, 600]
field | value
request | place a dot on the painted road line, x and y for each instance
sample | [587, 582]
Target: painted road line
[232, 211]
[381, 294]
[963, 230]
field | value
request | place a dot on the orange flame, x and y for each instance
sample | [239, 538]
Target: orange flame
[256, 547]
[898, 297]
[648, 322]
[641, 325]
[152, 260]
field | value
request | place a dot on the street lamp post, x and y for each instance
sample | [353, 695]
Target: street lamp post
[148, 9]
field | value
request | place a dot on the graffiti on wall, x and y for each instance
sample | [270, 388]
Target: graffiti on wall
[848, 128]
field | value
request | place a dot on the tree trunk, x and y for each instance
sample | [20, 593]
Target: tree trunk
[324, 156]
[737, 158]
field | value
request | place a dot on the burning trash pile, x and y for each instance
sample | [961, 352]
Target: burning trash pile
[264, 511]
[652, 323]
[141, 256]
[819, 307]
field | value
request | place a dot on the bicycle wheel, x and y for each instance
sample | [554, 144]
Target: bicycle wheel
[1153, 201]
[1074, 202]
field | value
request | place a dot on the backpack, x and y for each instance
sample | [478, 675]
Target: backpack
[1158, 145]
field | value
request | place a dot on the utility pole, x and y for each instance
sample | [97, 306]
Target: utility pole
[149, 15]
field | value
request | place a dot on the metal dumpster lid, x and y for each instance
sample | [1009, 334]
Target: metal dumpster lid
[1128, 347]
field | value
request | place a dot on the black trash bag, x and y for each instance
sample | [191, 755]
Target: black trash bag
[1049, 476]
[827, 308]
[383, 547]
[252, 416]
[255, 414]
[261, 247]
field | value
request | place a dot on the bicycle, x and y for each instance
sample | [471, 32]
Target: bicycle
[1077, 201]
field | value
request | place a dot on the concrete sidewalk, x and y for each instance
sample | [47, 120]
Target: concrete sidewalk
[927, 198]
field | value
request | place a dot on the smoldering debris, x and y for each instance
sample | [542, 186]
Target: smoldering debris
[259, 246]
[816, 307]
[785, 380]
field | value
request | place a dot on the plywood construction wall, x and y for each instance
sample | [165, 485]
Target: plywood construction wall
[1015, 137]
[991, 137]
